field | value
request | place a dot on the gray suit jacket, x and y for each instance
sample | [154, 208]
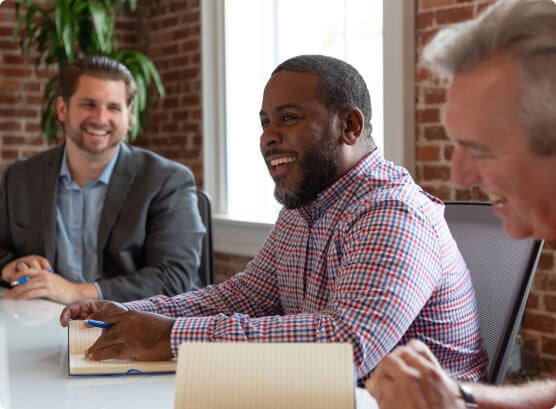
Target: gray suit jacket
[150, 232]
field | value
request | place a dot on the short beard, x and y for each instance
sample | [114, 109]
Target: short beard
[320, 170]
[78, 141]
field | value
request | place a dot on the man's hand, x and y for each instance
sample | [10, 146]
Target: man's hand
[11, 271]
[410, 377]
[134, 335]
[43, 284]
[94, 309]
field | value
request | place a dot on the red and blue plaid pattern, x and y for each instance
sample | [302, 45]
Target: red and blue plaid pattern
[370, 262]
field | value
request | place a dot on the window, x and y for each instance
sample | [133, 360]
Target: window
[243, 41]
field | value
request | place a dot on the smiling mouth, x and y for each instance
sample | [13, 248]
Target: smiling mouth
[97, 132]
[281, 161]
[497, 200]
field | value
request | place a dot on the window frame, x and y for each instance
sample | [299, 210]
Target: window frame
[245, 238]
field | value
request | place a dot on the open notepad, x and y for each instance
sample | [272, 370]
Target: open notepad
[265, 375]
[81, 337]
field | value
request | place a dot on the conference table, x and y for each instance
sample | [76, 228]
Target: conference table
[34, 368]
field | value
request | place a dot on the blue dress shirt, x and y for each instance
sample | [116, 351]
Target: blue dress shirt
[78, 211]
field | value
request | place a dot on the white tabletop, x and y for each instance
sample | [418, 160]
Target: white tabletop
[34, 368]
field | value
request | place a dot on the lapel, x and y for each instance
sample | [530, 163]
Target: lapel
[116, 194]
[50, 169]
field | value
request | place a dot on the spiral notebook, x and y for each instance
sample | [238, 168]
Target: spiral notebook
[81, 337]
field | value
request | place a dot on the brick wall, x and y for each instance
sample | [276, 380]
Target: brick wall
[171, 36]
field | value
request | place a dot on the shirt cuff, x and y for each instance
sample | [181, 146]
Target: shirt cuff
[100, 295]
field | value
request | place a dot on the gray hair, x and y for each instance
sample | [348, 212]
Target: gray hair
[526, 30]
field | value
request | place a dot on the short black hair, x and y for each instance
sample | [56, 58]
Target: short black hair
[340, 85]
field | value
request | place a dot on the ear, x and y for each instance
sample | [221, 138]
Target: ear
[130, 117]
[353, 123]
[61, 109]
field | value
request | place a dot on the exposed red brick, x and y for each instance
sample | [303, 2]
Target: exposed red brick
[428, 115]
[539, 322]
[454, 15]
[435, 95]
[429, 4]
[533, 301]
[546, 261]
[548, 345]
[435, 133]
[429, 153]
[431, 172]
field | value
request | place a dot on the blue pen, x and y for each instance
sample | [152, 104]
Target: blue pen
[98, 324]
[23, 280]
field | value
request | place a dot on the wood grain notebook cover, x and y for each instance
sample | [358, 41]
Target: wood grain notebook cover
[81, 337]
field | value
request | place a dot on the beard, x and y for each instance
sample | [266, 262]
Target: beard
[319, 169]
[76, 136]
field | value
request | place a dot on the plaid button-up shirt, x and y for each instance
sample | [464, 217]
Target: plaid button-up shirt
[370, 262]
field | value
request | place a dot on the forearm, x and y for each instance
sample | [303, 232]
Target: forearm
[534, 395]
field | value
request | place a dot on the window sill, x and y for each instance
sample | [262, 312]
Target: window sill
[237, 237]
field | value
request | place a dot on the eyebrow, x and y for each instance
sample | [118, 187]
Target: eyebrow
[281, 108]
[471, 145]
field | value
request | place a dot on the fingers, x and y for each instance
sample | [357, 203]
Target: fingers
[33, 261]
[81, 311]
[395, 384]
[12, 271]
[134, 335]
[32, 282]
[94, 309]
[411, 378]
[423, 350]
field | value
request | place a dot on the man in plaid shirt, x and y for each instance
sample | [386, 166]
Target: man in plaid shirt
[359, 253]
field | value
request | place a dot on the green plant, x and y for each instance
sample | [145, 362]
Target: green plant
[58, 32]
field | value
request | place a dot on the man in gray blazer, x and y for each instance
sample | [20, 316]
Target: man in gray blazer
[111, 221]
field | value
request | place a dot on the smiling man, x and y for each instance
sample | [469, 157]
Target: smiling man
[501, 116]
[359, 252]
[110, 220]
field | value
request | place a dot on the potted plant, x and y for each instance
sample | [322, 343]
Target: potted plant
[58, 32]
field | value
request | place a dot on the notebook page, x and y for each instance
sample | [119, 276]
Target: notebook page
[81, 337]
[265, 375]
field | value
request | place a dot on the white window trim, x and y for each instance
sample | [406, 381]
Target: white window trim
[244, 238]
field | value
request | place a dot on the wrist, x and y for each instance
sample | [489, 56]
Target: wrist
[466, 395]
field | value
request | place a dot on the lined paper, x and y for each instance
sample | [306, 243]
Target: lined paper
[265, 375]
[81, 337]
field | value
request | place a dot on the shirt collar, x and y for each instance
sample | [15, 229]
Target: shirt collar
[311, 212]
[104, 177]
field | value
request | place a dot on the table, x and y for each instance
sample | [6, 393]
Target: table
[34, 368]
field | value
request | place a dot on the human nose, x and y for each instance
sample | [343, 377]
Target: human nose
[463, 171]
[270, 136]
[101, 114]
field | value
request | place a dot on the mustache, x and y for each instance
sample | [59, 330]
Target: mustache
[276, 152]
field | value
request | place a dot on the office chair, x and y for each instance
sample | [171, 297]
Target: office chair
[206, 268]
[502, 271]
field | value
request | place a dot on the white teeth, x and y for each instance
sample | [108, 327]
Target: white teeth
[281, 161]
[496, 198]
[97, 132]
